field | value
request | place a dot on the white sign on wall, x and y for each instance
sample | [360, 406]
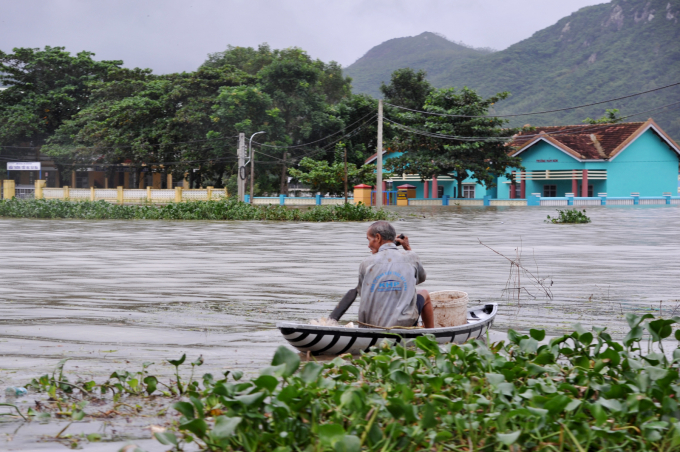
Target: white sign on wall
[23, 166]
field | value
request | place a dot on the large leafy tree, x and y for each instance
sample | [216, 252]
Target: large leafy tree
[460, 141]
[162, 121]
[407, 88]
[291, 100]
[45, 88]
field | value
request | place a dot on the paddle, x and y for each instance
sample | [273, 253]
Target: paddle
[344, 305]
[350, 296]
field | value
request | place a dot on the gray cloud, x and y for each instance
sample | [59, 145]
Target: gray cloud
[177, 35]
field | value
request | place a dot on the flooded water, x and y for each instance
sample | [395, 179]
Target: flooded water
[110, 295]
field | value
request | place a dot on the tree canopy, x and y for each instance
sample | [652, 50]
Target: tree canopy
[458, 138]
[189, 122]
[84, 112]
[47, 87]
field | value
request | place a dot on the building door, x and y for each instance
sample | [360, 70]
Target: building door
[440, 191]
[549, 191]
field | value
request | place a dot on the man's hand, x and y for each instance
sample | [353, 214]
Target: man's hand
[403, 242]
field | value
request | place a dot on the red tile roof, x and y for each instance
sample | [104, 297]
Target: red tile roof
[373, 157]
[588, 141]
[584, 141]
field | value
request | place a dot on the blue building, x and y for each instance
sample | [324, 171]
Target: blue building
[617, 159]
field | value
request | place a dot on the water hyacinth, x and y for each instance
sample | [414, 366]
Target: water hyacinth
[228, 209]
[580, 392]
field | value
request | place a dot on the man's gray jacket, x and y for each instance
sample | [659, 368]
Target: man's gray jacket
[387, 286]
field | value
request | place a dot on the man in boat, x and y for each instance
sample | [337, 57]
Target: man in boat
[387, 283]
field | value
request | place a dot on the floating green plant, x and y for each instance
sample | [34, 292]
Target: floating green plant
[581, 392]
[569, 216]
[228, 209]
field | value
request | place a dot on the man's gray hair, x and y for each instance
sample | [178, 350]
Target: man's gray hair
[385, 229]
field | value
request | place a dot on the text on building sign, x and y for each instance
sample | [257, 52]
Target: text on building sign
[546, 161]
[23, 166]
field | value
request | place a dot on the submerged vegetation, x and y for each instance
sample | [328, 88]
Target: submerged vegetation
[569, 216]
[228, 209]
[578, 392]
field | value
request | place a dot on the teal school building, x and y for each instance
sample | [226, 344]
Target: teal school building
[578, 160]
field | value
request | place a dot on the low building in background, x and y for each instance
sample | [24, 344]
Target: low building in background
[583, 160]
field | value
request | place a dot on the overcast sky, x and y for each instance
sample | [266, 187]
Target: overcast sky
[176, 35]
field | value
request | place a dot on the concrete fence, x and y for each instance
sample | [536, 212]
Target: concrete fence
[118, 195]
[283, 200]
[537, 200]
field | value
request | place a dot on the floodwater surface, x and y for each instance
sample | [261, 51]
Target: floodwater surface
[110, 295]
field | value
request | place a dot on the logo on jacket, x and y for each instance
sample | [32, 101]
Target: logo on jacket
[391, 285]
[395, 283]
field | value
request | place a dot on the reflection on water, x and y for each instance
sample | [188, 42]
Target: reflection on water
[113, 294]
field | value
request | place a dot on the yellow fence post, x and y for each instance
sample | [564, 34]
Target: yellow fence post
[92, 194]
[119, 195]
[178, 194]
[39, 185]
[8, 189]
[66, 192]
[210, 189]
[226, 193]
[148, 194]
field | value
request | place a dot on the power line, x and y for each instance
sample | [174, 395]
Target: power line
[324, 148]
[316, 141]
[559, 132]
[132, 145]
[537, 112]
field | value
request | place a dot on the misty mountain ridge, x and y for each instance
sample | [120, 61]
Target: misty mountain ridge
[596, 53]
[430, 51]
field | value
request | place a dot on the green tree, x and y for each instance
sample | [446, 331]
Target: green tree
[45, 88]
[610, 117]
[324, 178]
[407, 88]
[466, 144]
[159, 120]
[291, 100]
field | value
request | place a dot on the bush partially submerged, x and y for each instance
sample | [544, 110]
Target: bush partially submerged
[569, 216]
[197, 210]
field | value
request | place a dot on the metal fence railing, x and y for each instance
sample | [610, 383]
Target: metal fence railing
[24, 192]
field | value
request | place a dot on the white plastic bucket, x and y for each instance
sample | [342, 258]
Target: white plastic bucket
[450, 308]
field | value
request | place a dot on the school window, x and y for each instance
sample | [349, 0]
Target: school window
[580, 188]
[518, 191]
[82, 179]
[468, 191]
[549, 191]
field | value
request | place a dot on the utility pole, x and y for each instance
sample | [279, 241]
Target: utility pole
[241, 177]
[345, 174]
[251, 155]
[379, 188]
[284, 177]
[252, 175]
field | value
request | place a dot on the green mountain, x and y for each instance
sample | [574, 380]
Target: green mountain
[599, 52]
[428, 51]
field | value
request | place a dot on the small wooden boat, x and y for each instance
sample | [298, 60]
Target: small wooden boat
[336, 340]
